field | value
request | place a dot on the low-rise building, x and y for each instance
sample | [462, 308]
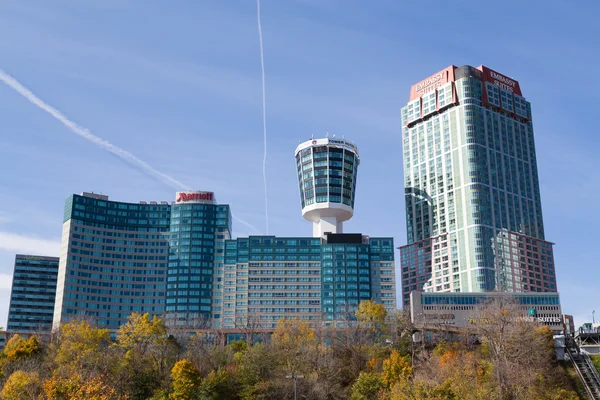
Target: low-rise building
[453, 311]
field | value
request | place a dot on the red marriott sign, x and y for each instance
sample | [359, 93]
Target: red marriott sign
[183, 197]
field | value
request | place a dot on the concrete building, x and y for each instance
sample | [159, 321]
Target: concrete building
[460, 310]
[473, 206]
[33, 294]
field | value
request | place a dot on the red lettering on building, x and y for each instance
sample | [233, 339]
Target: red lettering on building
[194, 196]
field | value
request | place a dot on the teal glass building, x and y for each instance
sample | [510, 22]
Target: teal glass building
[473, 205]
[113, 260]
[33, 294]
[178, 261]
[198, 229]
[267, 278]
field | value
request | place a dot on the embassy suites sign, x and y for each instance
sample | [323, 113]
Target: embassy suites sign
[431, 83]
[502, 81]
[194, 197]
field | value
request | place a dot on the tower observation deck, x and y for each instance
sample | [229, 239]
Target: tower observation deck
[327, 170]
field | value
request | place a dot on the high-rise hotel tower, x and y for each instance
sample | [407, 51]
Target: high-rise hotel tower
[473, 209]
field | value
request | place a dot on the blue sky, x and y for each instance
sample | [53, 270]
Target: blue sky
[178, 85]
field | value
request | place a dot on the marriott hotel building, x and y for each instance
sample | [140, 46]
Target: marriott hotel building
[473, 207]
[178, 260]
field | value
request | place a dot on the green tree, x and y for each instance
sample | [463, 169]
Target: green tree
[22, 385]
[367, 387]
[186, 381]
[218, 385]
[254, 370]
[596, 361]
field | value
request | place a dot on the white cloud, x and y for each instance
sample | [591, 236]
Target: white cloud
[13, 242]
[5, 281]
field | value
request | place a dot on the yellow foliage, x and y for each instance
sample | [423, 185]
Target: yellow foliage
[396, 368]
[81, 344]
[371, 312]
[18, 347]
[186, 380]
[75, 387]
[294, 333]
[140, 330]
[21, 386]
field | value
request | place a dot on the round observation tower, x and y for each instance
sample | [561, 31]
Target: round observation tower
[327, 170]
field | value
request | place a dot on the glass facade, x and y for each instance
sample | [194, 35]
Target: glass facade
[525, 299]
[327, 174]
[471, 178]
[197, 232]
[267, 278]
[178, 261]
[113, 260]
[33, 293]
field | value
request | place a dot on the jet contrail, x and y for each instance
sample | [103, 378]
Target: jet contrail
[264, 114]
[103, 144]
[86, 134]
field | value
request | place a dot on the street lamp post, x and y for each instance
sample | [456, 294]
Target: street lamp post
[295, 377]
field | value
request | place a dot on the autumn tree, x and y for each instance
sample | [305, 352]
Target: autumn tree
[517, 349]
[371, 314]
[396, 367]
[296, 343]
[368, 386]
[360, 339]
[254, 369]
[82, 349]
[148, 354]
[218, 385]
[186, 381]
[22, 385]
[75, 387]
[21, 354]
[18, 347]
[206, 354]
